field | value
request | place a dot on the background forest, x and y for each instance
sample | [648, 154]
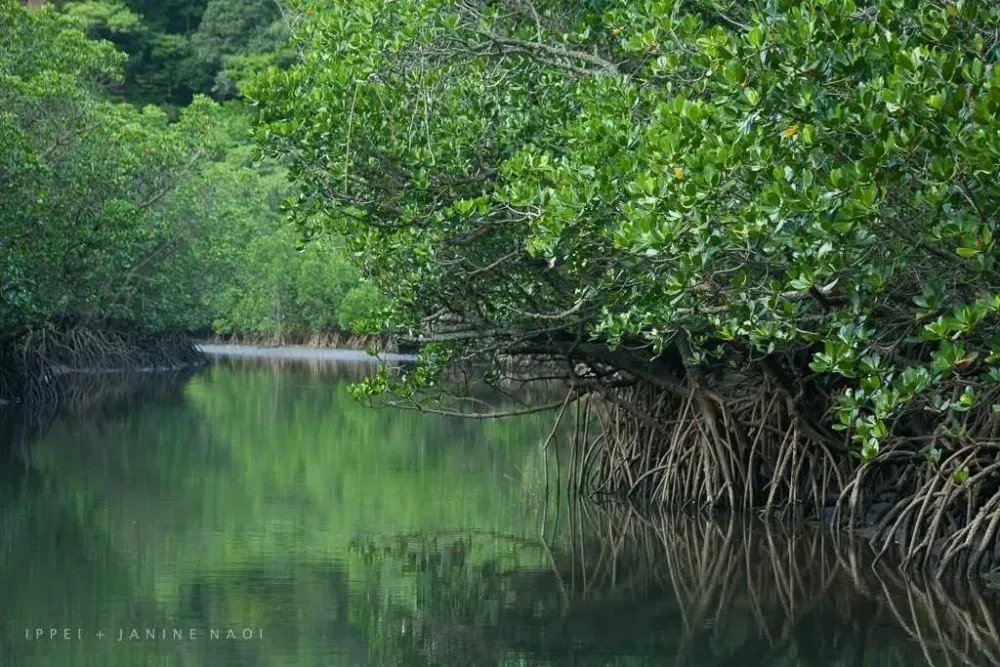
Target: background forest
[130, 191]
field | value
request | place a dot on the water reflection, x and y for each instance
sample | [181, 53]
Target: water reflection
[678, 590]
[262, 497]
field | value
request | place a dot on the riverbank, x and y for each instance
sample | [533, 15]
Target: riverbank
[34, 361]
[336, 339]
[764, 441]
[296, 352]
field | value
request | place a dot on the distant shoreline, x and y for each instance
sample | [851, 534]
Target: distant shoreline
[297, 352]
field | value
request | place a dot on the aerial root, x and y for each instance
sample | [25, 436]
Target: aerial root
[95, 349]
[32, 366]
[703, 451]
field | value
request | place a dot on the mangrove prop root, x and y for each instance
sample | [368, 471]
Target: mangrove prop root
[759, 444]
[326, 339]
[33, 364]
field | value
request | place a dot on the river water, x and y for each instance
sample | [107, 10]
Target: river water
[254, 514]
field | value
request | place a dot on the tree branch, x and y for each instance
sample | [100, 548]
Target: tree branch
[173, 184]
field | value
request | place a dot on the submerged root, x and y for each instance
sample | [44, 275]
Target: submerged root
[742, 591]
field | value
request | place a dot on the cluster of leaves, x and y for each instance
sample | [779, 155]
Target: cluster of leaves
[782, 175]
[97, 197]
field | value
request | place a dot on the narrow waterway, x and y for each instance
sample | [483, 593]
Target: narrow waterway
[254, 514]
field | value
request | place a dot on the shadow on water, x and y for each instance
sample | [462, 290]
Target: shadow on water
[86, 396]
[89, 397]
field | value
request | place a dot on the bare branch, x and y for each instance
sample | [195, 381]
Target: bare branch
[560, 54]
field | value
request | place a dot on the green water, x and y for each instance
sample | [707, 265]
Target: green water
[260, 499]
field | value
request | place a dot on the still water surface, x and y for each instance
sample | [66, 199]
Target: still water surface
[258, 498]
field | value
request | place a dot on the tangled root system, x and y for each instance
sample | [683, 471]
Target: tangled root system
[761, 443]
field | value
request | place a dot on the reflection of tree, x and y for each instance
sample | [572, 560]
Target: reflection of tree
[231, 500]
[675, 590]
[317, 366]
[236, 501]
[302, 607]
[87, 397]
[56, 572]
[812, 596]
[19, 427]
[110, 394]
[456, 605]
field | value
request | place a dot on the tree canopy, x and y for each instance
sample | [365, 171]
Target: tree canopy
[182, 48]
[590, 178]
[115, 212]
[96, 194]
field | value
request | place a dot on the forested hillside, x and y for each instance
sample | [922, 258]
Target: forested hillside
[180, 48]
[132, 202]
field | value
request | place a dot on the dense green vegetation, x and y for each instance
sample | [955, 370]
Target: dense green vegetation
[118, 213]
[761, 234]
[765, 231]
[181, 48]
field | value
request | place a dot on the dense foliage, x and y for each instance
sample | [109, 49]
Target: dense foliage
[279, 291]
[779, 176]
[102, 210]
[162, 219]
[763, 231]
[181, 48]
